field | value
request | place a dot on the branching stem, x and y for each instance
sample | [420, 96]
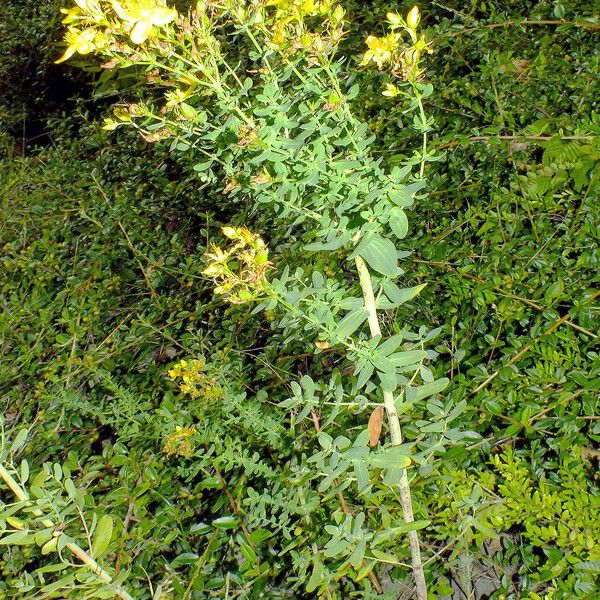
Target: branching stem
[81, 554]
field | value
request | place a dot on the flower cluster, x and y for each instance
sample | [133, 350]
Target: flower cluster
[312, 26]
[195, 381]
[239, 272]
[179, 443]
[290, 28]
[390, 50]
[94, 25]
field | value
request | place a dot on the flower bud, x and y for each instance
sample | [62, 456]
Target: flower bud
[413, 18]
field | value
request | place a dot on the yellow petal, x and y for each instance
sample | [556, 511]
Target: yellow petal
[66, 56]
[140, 32]
[121, 12]
[161, 16]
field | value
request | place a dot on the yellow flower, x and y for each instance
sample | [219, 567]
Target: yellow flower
[413, 18]
[380, 49]
[143, 16]
[82, 41]
[391, 91]
[180, 442]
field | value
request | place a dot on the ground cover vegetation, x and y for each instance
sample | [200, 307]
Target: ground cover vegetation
[327, 328]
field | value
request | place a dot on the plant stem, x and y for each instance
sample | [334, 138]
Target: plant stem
[419, 100]
[81, 554]
[395, 434]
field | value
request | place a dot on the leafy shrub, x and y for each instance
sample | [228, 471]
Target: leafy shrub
[505, 245]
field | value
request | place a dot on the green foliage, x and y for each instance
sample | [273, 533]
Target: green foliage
[273, 490]
[551, 516]
[33, 89]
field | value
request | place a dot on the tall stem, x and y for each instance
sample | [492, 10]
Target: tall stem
[419, 100]
[395, 434]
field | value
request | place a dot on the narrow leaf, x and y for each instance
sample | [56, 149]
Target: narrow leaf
[426, 390]
[351, 322]
[398, 296]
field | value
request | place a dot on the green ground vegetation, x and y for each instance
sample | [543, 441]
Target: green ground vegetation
[174, 436]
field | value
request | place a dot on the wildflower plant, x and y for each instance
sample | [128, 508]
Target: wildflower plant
[276, 125]
[240, 271]
[195, 381]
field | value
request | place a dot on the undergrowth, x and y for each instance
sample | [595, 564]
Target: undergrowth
[211, 495]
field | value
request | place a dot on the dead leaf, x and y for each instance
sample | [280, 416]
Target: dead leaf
[375, 425]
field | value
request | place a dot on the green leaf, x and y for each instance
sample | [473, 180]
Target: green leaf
[410, 357]
[414, 526]
[102, 536]
[49, 546]
[351, 322]
[358, 554]
[383, 363]
[390, 458]
[399, 296]
[390, 345]
[401, 196]
[364, 374]
[380, 254]
[55, 568]
[18, 538]
[19, 441]
[325, 440]
[389, 381]
[385, 556]
[315, 577]
[229, 522]
[24, 471]
[398, 222]
[65, 582]
[414, 394]
[554, 291]
[247, 550]
[187, 558]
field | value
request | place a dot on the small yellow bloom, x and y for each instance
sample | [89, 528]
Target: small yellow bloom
[391, 91]
[144, 16]
[413, 18]
[81, 41]
[380, 49]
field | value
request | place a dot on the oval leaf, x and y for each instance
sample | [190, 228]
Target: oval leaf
[398, 222]
[102, 536]
[390, 458]
[375, 426]
[226, 522]
[380, 254]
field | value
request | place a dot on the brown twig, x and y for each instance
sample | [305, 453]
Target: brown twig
[524, 136]
[526, 349]
[528, 22]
